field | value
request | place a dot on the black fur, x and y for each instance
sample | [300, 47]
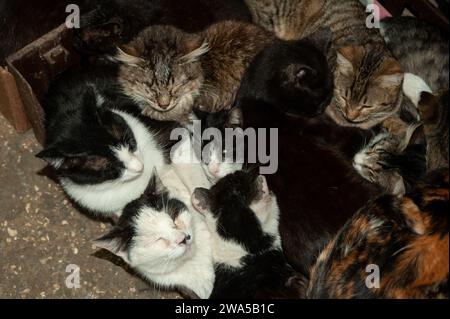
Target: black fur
[118, 21]
[292, 76]
[317, 188]
[81, 131]
[264, 270]
[155, 196]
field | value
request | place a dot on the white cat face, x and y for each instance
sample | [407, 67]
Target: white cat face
[218, 164]
[159, 241]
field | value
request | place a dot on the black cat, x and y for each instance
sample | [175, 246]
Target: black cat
[242, 215]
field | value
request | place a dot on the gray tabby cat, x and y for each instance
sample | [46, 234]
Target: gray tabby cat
[367, 78]
[420, 48]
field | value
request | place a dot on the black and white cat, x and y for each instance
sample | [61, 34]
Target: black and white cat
[103, 153]
[242, 215]
[164, 242]
[217, 160]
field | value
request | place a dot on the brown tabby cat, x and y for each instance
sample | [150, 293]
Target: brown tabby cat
[407, 238]
[367, 78]
[168, 71]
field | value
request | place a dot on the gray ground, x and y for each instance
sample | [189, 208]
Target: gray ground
[41, 234]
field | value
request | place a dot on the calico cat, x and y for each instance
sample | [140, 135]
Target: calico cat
[395, 162]
[168, 71]
[117, 22]
[242, 215]
[406, 238]
[103, 154]
[164, 242]
[367, 78]
[420, 48]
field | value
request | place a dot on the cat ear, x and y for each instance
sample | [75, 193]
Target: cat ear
[390, 74]
[345, 67]
[347, 57]
[130, 50]
[396, 185]
[414, 135]
[127, 54]
[112, 122]
[156, 185]
[52, 156]
[321, 39]
[194, 52]
[201, 201]
[62, 155]
[115, 242]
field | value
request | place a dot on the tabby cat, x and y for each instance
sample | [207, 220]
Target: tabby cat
[406, 238]
[367, 78]
[420, 48]
[311, 147]
[167, 71]
[395, 162]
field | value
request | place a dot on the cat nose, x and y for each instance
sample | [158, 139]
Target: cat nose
[352, 115]
[135, 165]
[186, 239]
[164, 101]
[214, 170]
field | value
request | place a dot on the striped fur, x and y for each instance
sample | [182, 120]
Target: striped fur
[367, 79]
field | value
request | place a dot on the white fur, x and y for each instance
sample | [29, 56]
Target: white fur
[188, 167]
[112, 196]
[413, 86]
[126, 58]
[268, 213]
[194, 55]
[217, 167]
[226, 252]
[191, 267]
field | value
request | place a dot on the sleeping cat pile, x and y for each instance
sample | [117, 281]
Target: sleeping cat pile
[361, 178]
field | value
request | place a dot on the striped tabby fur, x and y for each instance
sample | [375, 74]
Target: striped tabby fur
[367, 78]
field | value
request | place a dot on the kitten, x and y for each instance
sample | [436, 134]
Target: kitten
[102, 154]
[117, 22]
[316, 185]
[217, 159]
[243, 214]
[395, 162]
[420, 48]
[302, 71]
[406, 238]
[367, 78]
[168, 71]
[289, 77]
[164, 242]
